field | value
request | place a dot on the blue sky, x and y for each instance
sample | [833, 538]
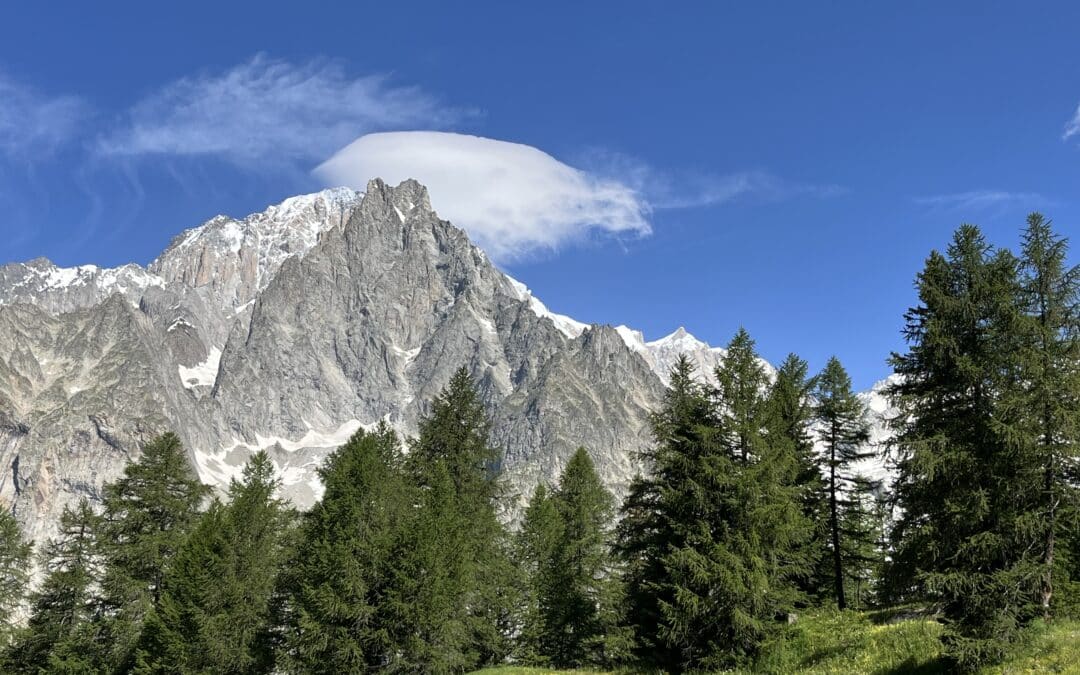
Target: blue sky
[785, 166]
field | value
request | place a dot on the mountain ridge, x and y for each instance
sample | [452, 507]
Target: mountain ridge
[289, 329]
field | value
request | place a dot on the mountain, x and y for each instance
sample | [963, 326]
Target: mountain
[290, 329]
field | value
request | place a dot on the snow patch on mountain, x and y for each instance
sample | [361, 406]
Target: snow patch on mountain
[203, 374]
[571, 328]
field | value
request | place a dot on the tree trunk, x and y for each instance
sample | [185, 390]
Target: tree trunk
[1047, 591]
[834, 522]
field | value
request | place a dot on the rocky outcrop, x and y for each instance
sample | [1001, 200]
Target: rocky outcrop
[290, 329]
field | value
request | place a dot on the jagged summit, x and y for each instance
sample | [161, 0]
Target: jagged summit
[289, 329]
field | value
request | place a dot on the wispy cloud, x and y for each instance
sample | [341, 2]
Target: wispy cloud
[270, 112]
[686, 189]
[512, 199]
[515, 199]
[1072, 127]
[979, 200]
[33, 124]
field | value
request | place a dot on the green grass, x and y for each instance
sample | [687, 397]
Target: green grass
[826, 642]
[1053, 648]
[851, 642]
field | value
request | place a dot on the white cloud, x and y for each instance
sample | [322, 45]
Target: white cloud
[269, 111]
[511, 198]
[32, 123]
[1072, 127]
[979, 199]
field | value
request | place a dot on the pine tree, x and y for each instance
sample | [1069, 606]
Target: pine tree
[214, 611]
[655, 513]
[334, 588]
[790, 415]
[721, 528]
[1050, 300]
[583, 561]
[14, 572]
[862, 541]
[534, 552]
[743, 386]
[844, 432]
[566, 547]
[63, 602]
[147, 515]
[455, 573]
[968, 537]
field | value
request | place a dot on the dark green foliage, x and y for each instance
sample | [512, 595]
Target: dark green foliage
[403, 565]
[862, 542]
[742, 395]
[714, 538]
[334, 586]
[1050, 385]
[654, 510]
[573, 596]
[790, 414]
[454, 571]
[535, 549]
[64, 600]
[14, 570]
[844, 432]
[147, 515]
[214, 610]
[969, 537]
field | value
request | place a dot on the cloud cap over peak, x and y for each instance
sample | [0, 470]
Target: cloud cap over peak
[512, 199]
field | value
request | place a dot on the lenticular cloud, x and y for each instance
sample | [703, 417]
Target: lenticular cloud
[512, 199]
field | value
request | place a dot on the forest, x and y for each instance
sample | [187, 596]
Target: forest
[750, 516]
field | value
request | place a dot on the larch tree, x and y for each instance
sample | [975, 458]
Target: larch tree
[843, 432]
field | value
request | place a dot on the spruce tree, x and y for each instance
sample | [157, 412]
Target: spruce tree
[968, 535]
[214, 611]
[565, 539]
[843, 432]
[790, 416]
[742, 392]
[534, 553]
[63, 602]
[147, 514]
[334, 588]
[862, 542]
[455, 574]
[713, 539]
[1050, 301]
[656, 515]
[14, 572]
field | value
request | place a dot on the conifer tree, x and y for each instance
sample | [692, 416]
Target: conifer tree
[565, 539]
[334, 587]
[1050, 301]
[453, 582]
[722, 528]
[968, 536]
[147, 515]
[742, 391]
[14, 572]
[534, 553]
[844, 432]
[214, 611]
[790, 415]
[63, 602]
[656, 516]
[862, 542]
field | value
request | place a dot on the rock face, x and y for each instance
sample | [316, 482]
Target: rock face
[287, 331]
